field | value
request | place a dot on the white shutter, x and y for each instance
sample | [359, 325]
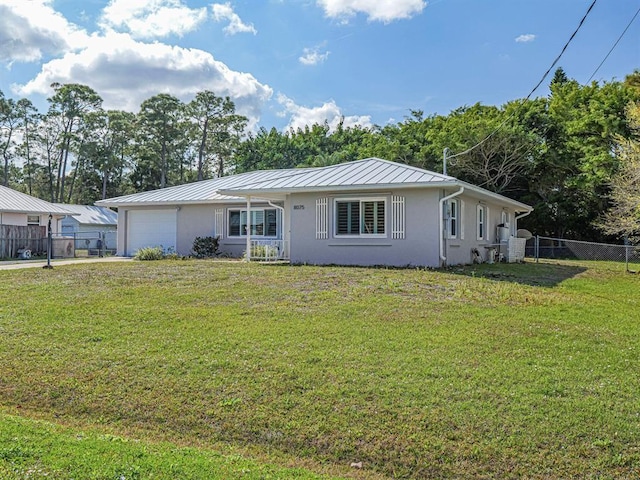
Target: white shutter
[461, 219]
[322, 218]
[487, 224]
[218, 223]
[397, 217]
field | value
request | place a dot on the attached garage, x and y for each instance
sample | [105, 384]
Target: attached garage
[151, 228]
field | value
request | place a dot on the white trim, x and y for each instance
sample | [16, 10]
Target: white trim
[322, 218]
[452, 220]
[397, 217]
[360, 200]
[218, 223]
[249, 219]
[461, 219]
[481, 222]
[441, 226]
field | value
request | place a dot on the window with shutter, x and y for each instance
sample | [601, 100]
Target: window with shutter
[361, 217]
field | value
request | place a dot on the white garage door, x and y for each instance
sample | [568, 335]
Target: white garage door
[151, 228]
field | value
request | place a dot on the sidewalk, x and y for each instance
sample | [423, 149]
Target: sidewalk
[15, 264]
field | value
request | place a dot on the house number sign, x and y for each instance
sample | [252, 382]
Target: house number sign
[298, 207]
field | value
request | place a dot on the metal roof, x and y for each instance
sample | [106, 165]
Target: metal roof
[91, 214]
[364, 175]
[205, 191]
[12, 201]
[367, 172]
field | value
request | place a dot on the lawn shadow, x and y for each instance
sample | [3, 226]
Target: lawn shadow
[529, 273]
[543, 274]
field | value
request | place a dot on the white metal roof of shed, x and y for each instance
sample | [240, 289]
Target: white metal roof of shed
[12, 201]
[92, 214]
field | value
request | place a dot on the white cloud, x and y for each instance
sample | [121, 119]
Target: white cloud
[312, 56]
[528, 37]
[33, 29]
[126, 72]
[329, 111]
[376, 10]
[152, 18]
[224, 12]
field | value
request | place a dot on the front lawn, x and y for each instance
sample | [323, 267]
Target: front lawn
[491, 371]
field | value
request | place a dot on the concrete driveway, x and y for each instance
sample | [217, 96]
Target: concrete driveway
[15, 264]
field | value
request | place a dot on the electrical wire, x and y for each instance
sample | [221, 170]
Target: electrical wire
[614, 46]
[557, 59]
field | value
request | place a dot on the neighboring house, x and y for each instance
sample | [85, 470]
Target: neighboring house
[367, 212]
[91, 225]
[24, 220]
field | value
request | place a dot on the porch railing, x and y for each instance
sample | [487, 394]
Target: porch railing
[269, 250]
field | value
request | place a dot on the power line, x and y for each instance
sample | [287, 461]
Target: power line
[614, 46]
[566, 45]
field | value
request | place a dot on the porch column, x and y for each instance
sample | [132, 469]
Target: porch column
[248, 252]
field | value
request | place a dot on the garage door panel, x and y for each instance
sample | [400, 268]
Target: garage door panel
[151, 228]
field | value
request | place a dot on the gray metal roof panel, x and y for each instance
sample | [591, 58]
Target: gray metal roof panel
[12, 201]
[91, 214]
[366, 174]
[371, 171]
[205, 191]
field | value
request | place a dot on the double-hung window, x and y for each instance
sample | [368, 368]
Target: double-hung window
[360, 217]
[33, 219]
[453, 218]
[481, 222]
[264, 223]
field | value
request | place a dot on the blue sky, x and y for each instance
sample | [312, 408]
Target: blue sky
[287, 63]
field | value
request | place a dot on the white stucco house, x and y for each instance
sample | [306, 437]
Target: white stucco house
[366, 212]
[24, 220]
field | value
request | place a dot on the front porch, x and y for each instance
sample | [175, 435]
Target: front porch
[269, 250]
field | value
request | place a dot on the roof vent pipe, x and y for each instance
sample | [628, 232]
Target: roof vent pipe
[444, 160]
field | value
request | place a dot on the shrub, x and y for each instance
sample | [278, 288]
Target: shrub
[206, 247]
[149, 253]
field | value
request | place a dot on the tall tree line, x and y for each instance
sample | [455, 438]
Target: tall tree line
[562, 154]
[78, 152]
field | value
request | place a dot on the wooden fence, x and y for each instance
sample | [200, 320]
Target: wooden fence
[14, 238]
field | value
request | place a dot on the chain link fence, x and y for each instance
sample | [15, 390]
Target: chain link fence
[561, 248]
[67, 245]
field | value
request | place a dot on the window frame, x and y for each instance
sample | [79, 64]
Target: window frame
[362, 202]
[254, 212]
[31, 221]
[481, 222]
[453, 221]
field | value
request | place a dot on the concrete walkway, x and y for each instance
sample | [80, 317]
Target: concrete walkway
[15, 264]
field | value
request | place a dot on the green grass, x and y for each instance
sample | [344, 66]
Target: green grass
[41, 450]
[492, 371]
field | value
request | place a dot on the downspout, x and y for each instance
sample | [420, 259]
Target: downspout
[248, 252]
[528, 212]
[283, 253]
[276, 206]
[441, 223]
